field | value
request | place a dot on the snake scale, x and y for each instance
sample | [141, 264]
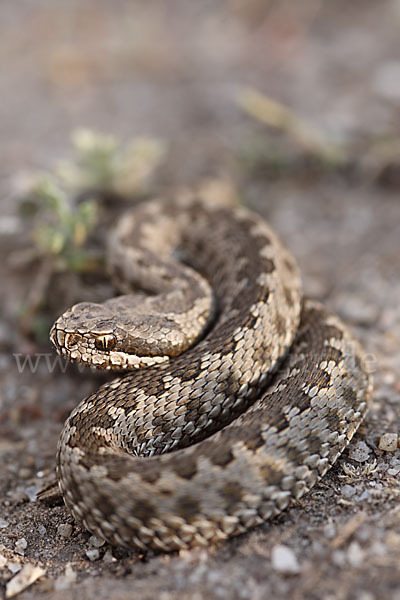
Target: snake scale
[240, 396]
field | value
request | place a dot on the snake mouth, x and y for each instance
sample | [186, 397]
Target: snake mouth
[98, 350]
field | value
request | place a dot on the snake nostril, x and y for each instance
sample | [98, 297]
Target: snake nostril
[105, 342]
[71, 340]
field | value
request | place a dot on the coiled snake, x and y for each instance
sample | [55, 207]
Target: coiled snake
[249, 392]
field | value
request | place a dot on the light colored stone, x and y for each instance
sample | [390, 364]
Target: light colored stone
[96, 542]
[64, 529]
[13, 567]
[389, 442]
[348, 491]
[284, 560]
[108, 557]
[20, 546]
[93, 554]
[355, 554]
[359, 452]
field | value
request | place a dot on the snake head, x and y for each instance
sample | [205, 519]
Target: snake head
[87, 334]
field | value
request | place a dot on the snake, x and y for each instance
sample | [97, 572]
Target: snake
[233, 393]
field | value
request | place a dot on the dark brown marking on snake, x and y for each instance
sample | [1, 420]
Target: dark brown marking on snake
[255, 441]
[271, 473]
[296, 457]
[107, 506]
[280, 323]
[219, 456]
[187, 507]
[349, 395]
[268, 265]
[322, 379]
[191, 371]
[232, 492]
[335, 354]
[260, 241]
[186, 468]
[331, 332]
[288, 296]
[144, 510]
[149, 470]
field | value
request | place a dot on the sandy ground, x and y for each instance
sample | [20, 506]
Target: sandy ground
[133, 68]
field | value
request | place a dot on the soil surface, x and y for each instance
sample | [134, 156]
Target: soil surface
[174, 70]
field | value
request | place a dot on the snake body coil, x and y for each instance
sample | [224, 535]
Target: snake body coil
[248, 396]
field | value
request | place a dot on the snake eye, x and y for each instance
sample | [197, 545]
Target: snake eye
[105, 342]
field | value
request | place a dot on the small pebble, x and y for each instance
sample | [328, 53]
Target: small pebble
[348, 491]
[359, 452]
[330, 531]
[14, 567]
[3, 524]
[24, 473]
[363, 496]
[64, 529]
[284, 560]
[93, 554]
[364, 534]
[378, 548]
[355, 554]
[96, 542]
[42, 530]
[108, 557]
[31, 491]
[339, 558]
[20, 546]
[393, 472]
[389, 442]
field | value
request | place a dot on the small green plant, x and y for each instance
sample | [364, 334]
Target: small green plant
[63, 225]
[103, 163]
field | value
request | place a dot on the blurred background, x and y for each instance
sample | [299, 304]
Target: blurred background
[177, 70]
